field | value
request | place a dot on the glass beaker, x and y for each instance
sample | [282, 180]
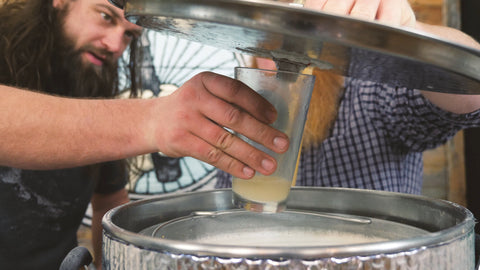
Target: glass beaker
[290, 94]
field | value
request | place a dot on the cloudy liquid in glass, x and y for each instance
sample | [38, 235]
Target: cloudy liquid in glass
[262, 188]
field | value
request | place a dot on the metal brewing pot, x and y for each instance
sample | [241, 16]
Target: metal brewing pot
[323, 228]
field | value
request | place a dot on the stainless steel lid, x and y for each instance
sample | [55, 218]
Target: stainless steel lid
[296, 37]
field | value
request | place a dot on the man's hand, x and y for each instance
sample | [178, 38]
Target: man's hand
[392, 12]
[196, 116]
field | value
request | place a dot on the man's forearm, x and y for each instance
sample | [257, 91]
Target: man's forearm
[452, 102]
[44, 132]
[450, 34]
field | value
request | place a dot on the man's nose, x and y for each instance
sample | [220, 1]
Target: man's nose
[114, 41]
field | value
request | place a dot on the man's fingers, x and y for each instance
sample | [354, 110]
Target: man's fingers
[243, 123]
[315, 4]
[362, 9]
[341, 7]
[392, 12]
[236, 92]
[396, 12]
[231, 145]
[365, 9]
[389, 12]
[258, 161]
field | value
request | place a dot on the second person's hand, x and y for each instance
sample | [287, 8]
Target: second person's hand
[392, 12]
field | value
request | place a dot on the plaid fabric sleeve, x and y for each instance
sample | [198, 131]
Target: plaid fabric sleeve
[407, 117]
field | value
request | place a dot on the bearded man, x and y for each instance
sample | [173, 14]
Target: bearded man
[57, 58]
[41, 210]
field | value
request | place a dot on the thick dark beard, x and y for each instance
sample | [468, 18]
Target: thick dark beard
[73, 77]
[36, 55]
[77, 79]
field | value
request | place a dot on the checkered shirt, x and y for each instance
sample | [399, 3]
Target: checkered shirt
[377, 140]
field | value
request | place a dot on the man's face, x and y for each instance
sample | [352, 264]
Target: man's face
[97, 29]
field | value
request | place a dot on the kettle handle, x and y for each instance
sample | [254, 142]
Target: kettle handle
[77, 258]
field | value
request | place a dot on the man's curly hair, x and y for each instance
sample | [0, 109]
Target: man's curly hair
[27, 39]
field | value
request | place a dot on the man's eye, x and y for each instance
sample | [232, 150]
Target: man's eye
[130, 34]
[105, 16]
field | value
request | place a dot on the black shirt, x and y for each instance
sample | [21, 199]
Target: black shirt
[40, 211]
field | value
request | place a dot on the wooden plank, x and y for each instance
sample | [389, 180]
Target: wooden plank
[427, 2]
[457, 187]
[452, 14]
